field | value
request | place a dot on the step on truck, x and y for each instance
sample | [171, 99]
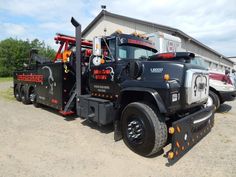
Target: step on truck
[151, 100]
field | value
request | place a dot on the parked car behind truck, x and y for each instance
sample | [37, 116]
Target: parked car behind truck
[149, 98]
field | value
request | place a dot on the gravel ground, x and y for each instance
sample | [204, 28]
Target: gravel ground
[36, 142]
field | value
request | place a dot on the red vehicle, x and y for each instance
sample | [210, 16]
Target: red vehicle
[221, 89]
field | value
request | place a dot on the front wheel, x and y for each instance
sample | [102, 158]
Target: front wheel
[144, 131]
[213, 99]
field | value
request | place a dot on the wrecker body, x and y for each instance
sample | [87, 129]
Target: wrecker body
[119, 79]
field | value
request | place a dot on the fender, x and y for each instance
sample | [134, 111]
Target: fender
[150, 91]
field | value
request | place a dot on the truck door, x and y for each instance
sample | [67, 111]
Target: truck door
[102, 68]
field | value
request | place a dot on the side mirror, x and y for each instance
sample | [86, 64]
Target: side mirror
[97, 50]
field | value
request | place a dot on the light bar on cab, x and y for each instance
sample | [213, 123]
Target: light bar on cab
[173, 56]
[166, 55]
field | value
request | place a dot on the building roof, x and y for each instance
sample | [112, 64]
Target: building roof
[146, 23]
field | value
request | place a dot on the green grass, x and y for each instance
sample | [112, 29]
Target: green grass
[7, 94]
[5, 79]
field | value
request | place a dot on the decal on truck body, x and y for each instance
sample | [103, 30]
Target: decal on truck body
[50, 79]
[103, 74]
[156, 70]
[30, 78]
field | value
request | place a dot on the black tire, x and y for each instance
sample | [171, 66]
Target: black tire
[24, 95]
[153, 129]
[17, 93]
[215, 99]
[34, 100]
[37, 105]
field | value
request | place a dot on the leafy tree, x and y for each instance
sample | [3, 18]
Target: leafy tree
[15, 52]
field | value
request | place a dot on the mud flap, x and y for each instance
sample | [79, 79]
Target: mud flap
[188, 131]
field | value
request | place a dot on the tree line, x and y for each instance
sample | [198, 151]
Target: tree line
[15, 52]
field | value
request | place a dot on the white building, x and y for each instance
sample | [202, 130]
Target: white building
[233, 59]
[106, 23]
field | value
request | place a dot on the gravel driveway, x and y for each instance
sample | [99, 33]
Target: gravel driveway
[37, 142]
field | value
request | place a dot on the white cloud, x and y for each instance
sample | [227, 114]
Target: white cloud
[12, 29]
[211, 22]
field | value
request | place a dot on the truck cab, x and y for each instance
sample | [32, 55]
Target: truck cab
[121, 62]
[109, 67]
[145, 94]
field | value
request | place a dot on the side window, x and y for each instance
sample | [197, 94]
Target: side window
[138, 53]
[108, 53]
[112, 46]
[207, 64]
[122, 53]
[214, 66]
[199, 61]
[194, 61]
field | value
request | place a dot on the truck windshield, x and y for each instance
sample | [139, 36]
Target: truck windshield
[199, 61]
[134, 52]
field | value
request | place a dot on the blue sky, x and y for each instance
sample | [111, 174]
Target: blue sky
[211, 22]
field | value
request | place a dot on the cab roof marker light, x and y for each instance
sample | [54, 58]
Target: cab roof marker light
[119, 31]
[134, 33]
[143, 36]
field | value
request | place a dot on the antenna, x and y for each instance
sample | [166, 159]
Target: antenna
[103, 7]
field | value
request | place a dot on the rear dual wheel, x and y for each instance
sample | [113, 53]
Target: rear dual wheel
[17, 93]
[21, 94]
[24, 95]
[144, 130]
[33, 98]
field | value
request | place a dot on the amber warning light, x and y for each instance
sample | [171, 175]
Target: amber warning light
[166, 77]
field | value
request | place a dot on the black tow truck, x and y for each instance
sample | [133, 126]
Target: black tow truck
[151, 100]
